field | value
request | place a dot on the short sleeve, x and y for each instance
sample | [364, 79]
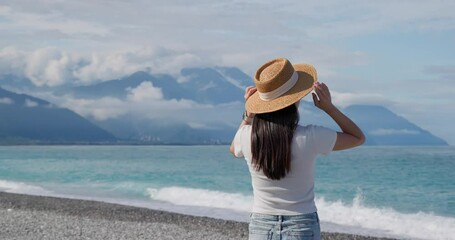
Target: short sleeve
[239, 136]
[323, 139]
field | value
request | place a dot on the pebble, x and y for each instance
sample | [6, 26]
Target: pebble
[37, 217]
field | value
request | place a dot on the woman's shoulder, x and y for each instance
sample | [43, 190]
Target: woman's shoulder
[302, 130]
[310, 128]
[305, 128]
[244, 129]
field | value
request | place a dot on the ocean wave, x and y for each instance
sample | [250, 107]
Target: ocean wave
[352, 217]
[202, 198]
[23, 188]
[386, 221]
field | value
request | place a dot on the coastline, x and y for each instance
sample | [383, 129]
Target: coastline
[41, 217]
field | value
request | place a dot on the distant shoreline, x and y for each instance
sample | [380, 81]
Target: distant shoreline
[40, 217]
[174, 144]
[110, 144]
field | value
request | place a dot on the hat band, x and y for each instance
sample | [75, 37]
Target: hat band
[268, 96]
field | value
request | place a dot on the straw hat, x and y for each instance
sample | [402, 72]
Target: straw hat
[280, 84]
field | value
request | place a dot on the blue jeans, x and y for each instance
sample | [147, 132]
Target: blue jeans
[277, 227]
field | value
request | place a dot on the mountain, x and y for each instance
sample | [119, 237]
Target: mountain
[16, 82]
[383, 127]
[202, 85]
[235, 76]
[119, 87]
[207, 85]
[146, 131]
[380, 125]
[26, 119]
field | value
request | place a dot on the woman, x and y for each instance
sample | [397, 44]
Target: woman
[281, 154]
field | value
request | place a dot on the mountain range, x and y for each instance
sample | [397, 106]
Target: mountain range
[202, 85]
[26, 119]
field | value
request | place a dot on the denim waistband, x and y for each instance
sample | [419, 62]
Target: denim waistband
[270, 217]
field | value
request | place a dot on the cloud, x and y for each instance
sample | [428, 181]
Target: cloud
[44, 67]
[99, 109]
[48, 67]
[445, 74]
[4, 10]
[391, 131]
[145, 92]
[11, 61]
[356, 17]
[30, 103]
[47, 21]
[52, 67]
[235, 33]
[209, 33]
[344, 99]
[146, 102]
[99, 67]
[6, 101]
[118, 64]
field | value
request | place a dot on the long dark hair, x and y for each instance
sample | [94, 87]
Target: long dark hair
[271, 141]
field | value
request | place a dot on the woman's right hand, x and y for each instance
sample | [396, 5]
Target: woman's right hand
[322, 98]
[351, 134]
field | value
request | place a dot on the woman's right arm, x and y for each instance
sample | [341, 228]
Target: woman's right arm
[351, 135]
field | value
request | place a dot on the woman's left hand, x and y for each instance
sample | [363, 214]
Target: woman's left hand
[248, 92]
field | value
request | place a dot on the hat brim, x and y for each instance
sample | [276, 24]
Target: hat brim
[307, 77]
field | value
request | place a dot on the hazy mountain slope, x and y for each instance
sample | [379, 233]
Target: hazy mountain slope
[158, 132]
[209, 86]
[380, 125]
[383, 127]
[26, 119]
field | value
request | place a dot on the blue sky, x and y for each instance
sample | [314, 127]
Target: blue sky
[399, 54]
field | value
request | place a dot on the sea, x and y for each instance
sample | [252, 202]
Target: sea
[402, 192]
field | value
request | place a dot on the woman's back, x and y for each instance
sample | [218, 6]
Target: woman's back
[293, 194]
[281, 154]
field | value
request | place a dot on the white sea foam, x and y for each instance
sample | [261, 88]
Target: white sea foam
[335, 216]
[202, 198]
[386, 221]
[19, 187]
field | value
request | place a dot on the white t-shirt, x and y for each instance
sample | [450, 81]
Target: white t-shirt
[293, 194]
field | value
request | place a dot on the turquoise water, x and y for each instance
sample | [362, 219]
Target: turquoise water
[365, 188]
[408, 179]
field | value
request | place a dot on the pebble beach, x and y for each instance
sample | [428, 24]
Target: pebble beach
[39, 217]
